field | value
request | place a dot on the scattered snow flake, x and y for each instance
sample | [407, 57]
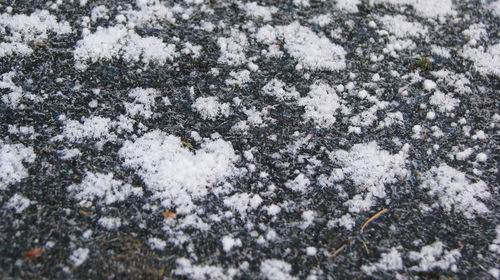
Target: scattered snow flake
[20, 49]
[401, 27]
[301, 3]
[321, 20]
[476, 32]
[311, 251]
[150, 14]
[252, 9]
[454, 192]
[99, 12]
[94, 128]
[233, 48]
[346, 221]
[424, 8]
[238, 78]
[310, 50]
[273, 269]
[174, 173]
[144, 102]
[350, 6]
[203, 272]
[191, 49]
[243, 202]
[157, 243]
[79, 256]
[308, 218]
[12, 157]
[388, 262]
[15, 93]
[267, 34]
[370, 168]
[321, 105]
[444, 101]
[273, 210]
[228, 243]
[110, 223]
[280, 91]
[119, 42]
[299, 184]
[434, 256]
[485, 61]
[34, 28]
[494, 6]
[102, 187]
[441, 51]
[495, 245]
[18, 203]
[210, 108]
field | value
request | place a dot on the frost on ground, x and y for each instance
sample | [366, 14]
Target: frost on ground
[204, 139]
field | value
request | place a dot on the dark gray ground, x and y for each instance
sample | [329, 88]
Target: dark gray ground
[56, 217]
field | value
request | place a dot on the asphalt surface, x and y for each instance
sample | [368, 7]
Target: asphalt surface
[284, 145]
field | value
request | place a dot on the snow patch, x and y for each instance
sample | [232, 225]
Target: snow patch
[102, 187]
[454, 192]
[174, 173]
[274, 269]
[12, 157]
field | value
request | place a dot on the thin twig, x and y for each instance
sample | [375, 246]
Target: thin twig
[373, 218]
[340, 249]
[365, 246]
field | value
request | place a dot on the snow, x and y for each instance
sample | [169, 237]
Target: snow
[203, 272]
[401, 27]
[175, 174]
[424, 8]
[280, 90]
[233, 48]
[144, 102]
[110, 223]
[228, 243]
[13, 98]
[117, 42]
[310, 50]
[455, 192]
[299, 184]
[273, 269]
[321, 105]
[311, 251]
[350, 6]
[12, 169]
[102, 187]
[18, 203]
[253, 9]
[19, 30]
[389, 261]
[9, 49]
[495, 245]
[150, 14]
[273, 210]
[321, 20]
[243, 202]
[210, 108]
[370, 169]
[445, 102]
[346, 221]
[93, 128]
[157, 243]
[486, 60]
[435, 256]
[79, 256]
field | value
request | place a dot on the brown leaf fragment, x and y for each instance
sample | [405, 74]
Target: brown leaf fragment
[32, 254]
[169, 215]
